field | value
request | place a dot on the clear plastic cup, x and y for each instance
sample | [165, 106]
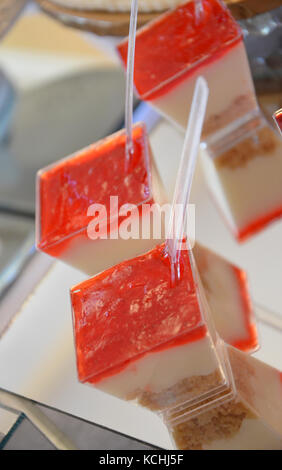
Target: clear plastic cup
[140, 338]
[243, 167]
[227, 293]
[250, 418]
[177, 47]
[82, 203]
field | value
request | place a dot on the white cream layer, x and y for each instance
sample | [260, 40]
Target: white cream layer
[253, 190]
[95, 256]
[217, 190]
[160, 370]
[223, 294]
[223, 84]
[265, 384]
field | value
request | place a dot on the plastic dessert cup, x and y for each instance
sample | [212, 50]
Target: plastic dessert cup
[177, 47]
[140, 338]
[67, 229]
[227, 293]
[278, 119]
[250, 420]
[243, 169]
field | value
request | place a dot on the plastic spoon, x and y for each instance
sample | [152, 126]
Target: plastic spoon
[185, 174]
[199, 9]
[129, 81]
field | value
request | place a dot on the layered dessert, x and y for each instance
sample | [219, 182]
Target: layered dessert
[278, 119]
[177, 47]
[227, 293]
[85, 201]
[67, 189]
[251, 420]
[140, 337]
[243, 169]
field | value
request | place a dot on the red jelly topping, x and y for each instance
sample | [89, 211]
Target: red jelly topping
[68, 188]
[177, 42]
[278, 118]
[131, 309]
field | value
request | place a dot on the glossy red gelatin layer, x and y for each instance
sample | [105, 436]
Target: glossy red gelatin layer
[172, 46]
[132, 309]
[68, 188]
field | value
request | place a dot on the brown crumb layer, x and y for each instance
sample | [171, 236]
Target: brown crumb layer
[239, 107]
[222, 422]
[261, 144]
[180, 392]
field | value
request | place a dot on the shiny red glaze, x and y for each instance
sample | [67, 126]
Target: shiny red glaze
[174, 45]
[68, 188]
[132, 309]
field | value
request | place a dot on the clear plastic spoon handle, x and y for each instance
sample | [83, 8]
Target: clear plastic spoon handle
[129, 80]
[186, 171]
[199, 10]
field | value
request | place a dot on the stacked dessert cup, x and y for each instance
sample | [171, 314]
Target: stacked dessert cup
[242, 153]
[161, 323]
[243, 166]
[169, 357]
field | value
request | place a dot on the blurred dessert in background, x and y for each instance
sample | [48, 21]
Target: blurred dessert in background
[227, 292]
[118, 5]
[110, 17]
[243, 168]
[174, 49]
[241, 8]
